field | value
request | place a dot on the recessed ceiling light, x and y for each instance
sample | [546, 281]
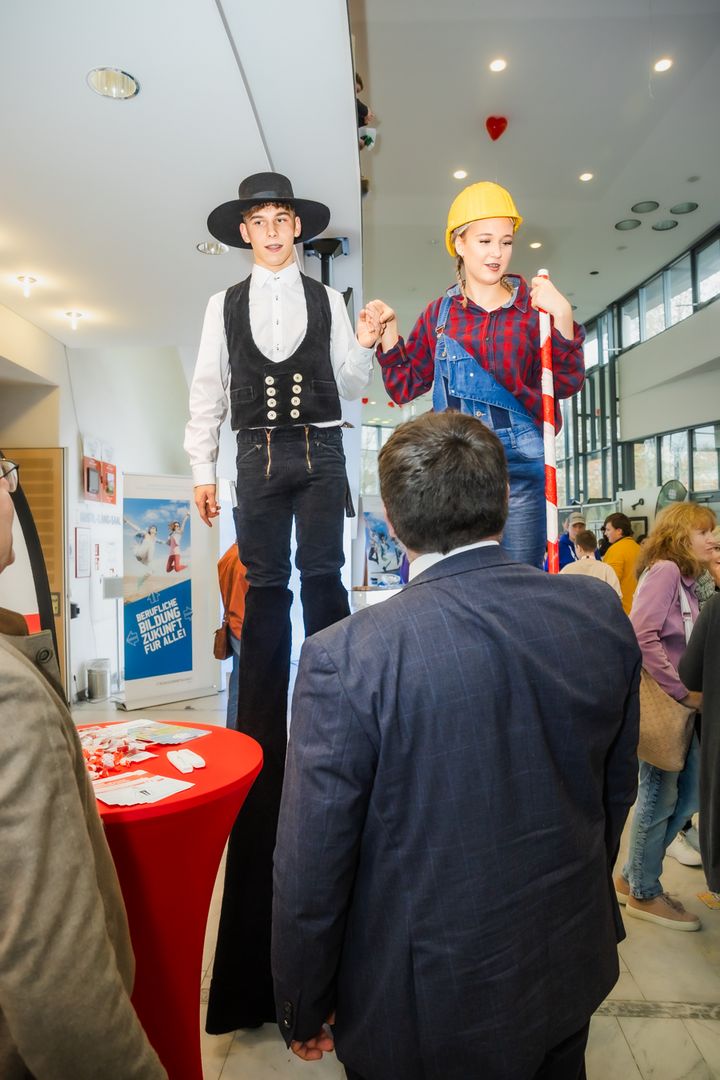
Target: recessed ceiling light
[683, 208]
[373, 402]
[27, 283]
[498, 65]
[74, 317]
[645, 207]
[594, 273]
[585, 176]
[113, 83]
[212, 247]
[664, 64]
[627, 224]
[665, 226]
[536, 244]
[460, 174]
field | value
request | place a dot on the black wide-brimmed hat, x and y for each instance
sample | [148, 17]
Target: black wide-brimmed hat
[224, 221]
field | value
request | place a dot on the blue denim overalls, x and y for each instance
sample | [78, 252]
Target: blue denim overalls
[462, 384]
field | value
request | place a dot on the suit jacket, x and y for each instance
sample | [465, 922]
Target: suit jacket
[66, 963]
[459, 773]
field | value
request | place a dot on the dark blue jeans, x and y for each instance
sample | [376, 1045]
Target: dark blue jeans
[285, 474]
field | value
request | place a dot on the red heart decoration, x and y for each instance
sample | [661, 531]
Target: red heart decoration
[496, 126]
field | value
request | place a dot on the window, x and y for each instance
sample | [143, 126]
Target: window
[561, 485]
[645, 463]
[706, 458]
[674, 457]
[594, 477]
[654, 320]
[708, 271]
[681, 301]
[630, 322]
[591, 346]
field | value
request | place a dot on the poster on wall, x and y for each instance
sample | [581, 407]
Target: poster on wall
[385, 558]
[163, 661]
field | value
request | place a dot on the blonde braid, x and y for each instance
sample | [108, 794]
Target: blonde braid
[460, 275]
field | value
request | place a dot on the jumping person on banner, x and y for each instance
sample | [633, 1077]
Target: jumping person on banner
[478, 348]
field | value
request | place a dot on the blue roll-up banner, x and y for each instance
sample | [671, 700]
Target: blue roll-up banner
[161, 547]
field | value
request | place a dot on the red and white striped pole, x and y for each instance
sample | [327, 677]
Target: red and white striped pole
[548, 409]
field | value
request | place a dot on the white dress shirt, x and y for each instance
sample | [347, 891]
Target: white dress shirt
[278, 321]
[424, 562]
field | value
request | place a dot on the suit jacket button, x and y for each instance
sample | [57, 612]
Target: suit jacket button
[297, 377]
[271, 415]
[269, 380]
[294, 413]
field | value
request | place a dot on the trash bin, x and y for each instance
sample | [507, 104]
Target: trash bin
[98, 680]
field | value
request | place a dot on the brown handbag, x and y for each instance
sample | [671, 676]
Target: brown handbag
[222, 648]
[666, 727]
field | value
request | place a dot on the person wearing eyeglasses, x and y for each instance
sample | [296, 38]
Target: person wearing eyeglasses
[66, 962]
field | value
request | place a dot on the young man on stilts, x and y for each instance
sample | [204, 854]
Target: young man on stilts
[279, 346]
[478, 348]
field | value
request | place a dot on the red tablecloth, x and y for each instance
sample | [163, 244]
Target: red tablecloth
[167, 856]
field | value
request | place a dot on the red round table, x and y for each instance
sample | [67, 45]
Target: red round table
[167, 856]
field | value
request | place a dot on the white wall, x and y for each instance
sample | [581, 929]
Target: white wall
[673, 380]
[134, 400]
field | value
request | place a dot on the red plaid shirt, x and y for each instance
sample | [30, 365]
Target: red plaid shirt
[505, 342]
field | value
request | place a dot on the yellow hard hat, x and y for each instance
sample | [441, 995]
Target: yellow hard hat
[478, 201]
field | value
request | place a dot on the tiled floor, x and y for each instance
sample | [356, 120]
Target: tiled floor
[661, 1021]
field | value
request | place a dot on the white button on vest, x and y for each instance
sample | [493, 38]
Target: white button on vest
[297, 389]
[272, 415]
[297, 378]
[269, 381]
[294, 413]
[271, 403]
[295, 401]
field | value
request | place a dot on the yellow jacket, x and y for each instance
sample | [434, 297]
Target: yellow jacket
[623, 556]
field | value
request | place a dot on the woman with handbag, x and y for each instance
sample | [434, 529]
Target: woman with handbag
[665, 606]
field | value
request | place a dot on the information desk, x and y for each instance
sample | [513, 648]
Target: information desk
[167, 856]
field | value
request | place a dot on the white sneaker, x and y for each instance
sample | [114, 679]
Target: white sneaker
[684, 852]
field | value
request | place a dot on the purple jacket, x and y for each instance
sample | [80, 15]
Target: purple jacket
[658, 623]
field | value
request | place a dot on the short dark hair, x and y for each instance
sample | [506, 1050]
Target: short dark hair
[443, 480]
[619, 521]
[261, 206]
[587, 540]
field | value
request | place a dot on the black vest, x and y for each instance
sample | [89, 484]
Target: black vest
[299, 390]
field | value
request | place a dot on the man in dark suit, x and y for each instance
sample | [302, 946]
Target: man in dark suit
[454, 797]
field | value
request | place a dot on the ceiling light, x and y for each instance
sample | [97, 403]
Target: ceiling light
[645, 207]
[73, 316]
[683, 208]
[27, 283]
[113, 83]
[498, 65]
[212, 247]
[585, 176]
[460, 174]
[627, 224]
[663, 64]
[373, 402]
[536, 244]
[665, 226]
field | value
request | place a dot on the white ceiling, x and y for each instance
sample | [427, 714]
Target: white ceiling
[580, 95]
[104, 201]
